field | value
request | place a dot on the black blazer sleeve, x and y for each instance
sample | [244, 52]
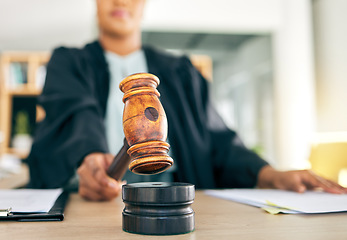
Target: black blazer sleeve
[73, 126]
[206, 151]
[234, 165]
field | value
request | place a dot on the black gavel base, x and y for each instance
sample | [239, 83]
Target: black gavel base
[158, 208]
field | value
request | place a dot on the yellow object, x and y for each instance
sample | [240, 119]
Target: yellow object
[274, 209]
[343, 177]
[329, 157]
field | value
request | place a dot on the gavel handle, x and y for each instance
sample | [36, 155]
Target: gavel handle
[120, 163]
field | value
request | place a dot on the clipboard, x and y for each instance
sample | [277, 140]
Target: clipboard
[56, 213]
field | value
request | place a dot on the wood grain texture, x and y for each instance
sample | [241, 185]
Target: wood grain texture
[215, 219]
[145, 124]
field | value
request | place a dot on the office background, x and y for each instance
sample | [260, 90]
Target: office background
[279, 74]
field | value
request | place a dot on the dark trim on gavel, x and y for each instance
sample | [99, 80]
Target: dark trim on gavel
[120, 163]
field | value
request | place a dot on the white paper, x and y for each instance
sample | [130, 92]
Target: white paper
[289, 202]
[29, 200]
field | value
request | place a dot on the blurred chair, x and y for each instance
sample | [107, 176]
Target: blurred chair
[329, 159]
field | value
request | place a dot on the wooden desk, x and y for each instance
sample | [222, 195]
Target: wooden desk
[215, 219]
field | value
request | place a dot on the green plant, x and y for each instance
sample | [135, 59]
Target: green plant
[22, 123]
[258, 149]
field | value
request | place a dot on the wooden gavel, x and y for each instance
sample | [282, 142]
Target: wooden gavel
[145, 149]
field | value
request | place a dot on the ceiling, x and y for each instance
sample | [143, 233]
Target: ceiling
[45, 24]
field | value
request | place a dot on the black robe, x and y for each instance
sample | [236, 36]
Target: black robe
[74, 97]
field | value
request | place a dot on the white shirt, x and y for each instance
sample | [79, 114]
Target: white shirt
[119, 68]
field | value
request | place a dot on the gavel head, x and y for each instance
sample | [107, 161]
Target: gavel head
[145, 124]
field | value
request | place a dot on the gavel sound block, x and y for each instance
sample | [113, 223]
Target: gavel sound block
[158, 208]
[150, 208]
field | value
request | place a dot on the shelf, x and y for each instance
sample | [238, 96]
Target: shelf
[20, 56]
[24, 92]
[22, 75]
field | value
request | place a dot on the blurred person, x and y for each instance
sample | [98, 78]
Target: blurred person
[82, 130]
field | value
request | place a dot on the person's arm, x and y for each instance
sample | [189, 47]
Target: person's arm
[73, 126]
[297, 180]
[232, 164]
[237, 166]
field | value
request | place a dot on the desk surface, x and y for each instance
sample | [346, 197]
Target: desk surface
[16, 180]
[215, 219]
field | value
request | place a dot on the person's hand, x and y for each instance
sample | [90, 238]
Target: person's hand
[94, 183]
[298, 181]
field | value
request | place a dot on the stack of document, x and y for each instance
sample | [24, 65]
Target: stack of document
[28, 200]
[32, 205]
[279, 201]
